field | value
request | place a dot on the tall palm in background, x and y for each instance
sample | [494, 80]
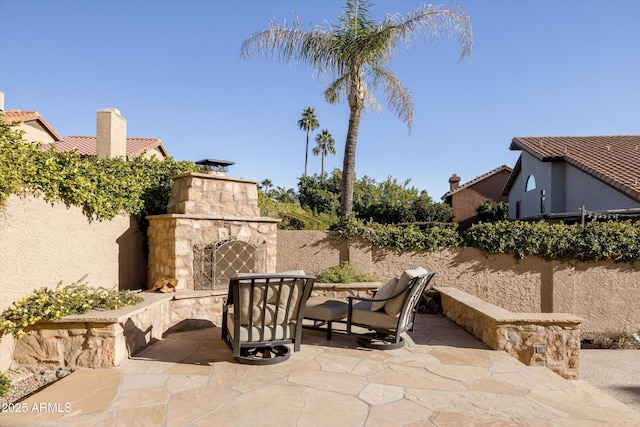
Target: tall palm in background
[308, 122]
[324, 144]
[356, 52]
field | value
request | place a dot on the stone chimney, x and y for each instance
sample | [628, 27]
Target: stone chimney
[111, 134]
[454, 182]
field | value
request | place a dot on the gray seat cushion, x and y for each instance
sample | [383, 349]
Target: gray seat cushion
[325, 308]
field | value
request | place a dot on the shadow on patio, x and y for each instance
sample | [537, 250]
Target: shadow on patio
[443, 376]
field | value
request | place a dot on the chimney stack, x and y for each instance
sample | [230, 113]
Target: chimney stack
[454, 182]
[111, 134]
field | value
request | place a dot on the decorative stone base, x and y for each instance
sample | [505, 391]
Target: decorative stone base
[535, 339]
[107, 338]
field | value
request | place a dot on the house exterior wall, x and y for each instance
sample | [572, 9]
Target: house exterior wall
[465, 201]
[153, 152]
[42, 244]
[33, 132]
[530, 200]
[583, 189]
[566, 188]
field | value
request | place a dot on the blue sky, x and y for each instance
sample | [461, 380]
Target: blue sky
[172, 68]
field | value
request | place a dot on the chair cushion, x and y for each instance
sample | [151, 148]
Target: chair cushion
[363, 315]
[288, 286]
[269, 333]
[325, 308]
[394, 305]
[387, 290]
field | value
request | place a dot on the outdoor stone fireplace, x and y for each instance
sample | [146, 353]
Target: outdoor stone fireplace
[213, 230]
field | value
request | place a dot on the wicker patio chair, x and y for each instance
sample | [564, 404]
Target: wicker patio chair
[262, 313]
[391, 312]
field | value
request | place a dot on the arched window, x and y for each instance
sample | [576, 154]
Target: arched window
[531, 183]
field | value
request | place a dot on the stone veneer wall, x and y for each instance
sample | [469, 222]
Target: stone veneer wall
[204, 209]
[105, 339]
[535, 339]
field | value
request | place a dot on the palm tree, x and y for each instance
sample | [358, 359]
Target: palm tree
[308, 122]
[356, 52]
[324, 144]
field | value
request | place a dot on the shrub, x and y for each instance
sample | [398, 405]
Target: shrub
[52, 304]
[344, 273]
[595, 241]
[413, 236]
[5, 384]
[104, 188]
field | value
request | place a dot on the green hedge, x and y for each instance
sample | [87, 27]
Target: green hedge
[595, 241]
[103, 188]
[401, 237]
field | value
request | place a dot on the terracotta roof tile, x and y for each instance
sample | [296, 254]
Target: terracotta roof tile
[11, 116]
[86, 145]
[613, 159]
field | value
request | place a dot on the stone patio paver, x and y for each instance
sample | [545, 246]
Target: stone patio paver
[442, 377]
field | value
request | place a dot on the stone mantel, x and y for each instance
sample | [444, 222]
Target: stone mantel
[214, 217]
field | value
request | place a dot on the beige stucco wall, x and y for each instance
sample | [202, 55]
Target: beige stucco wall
[605, 294]
[42, 244]
[34, 132]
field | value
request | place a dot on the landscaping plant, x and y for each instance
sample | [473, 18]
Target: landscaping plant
[5, 384]
[344, 273]
[52, 304]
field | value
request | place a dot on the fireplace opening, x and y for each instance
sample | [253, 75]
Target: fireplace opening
[214, 264]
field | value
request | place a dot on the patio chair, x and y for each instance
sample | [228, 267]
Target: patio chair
[391, 312]
[262, 313]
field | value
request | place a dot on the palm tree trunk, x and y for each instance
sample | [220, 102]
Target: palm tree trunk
[306, 154]
[324, 153]
[356, 107]
[349, 163]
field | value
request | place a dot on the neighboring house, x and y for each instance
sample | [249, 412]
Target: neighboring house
[562, 177]
[464, 199]
[110, 139]
[35, 127]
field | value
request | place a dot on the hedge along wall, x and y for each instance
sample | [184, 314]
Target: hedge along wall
[606, 294]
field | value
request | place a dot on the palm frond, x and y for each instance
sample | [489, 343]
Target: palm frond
[292, 45]
[429, 22]
[398, 97]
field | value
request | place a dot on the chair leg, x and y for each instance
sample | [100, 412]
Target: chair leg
[329, 323]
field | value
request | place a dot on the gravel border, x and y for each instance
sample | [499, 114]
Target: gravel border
[26, 381]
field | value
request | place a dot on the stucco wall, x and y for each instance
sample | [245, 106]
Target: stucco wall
[42, 244]
[605, 294]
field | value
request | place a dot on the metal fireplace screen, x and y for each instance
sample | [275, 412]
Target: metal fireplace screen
[216, 263]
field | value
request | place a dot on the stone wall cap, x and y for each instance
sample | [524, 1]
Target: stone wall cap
[151, 299]
[212, 176]
[216, 217]
[502, 316]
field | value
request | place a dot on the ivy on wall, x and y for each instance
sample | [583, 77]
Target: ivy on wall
[595, 241]
[103, 188]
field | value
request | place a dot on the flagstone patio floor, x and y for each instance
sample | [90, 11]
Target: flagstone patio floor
[442, 377]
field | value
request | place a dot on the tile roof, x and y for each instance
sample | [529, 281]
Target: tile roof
[613, 159]
[11, 116]
[86, 145]
[477, 179]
